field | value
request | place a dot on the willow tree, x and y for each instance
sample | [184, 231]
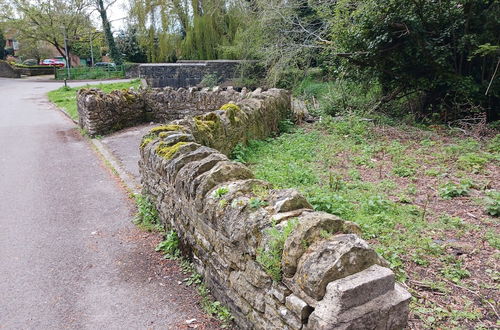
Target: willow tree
[190, 29]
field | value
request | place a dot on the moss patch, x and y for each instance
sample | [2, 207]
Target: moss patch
[166, 128]
[232, 111]
[166, 151]
[146, 140]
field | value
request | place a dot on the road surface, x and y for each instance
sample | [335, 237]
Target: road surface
[69, 256]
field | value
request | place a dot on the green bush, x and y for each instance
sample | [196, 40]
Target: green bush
[210, 80]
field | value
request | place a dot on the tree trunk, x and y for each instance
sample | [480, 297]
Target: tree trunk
[113, 50]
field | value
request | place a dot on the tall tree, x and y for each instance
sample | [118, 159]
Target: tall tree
[106, 26]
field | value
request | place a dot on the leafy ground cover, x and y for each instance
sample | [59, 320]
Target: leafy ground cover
[65, 97]
[426, 199]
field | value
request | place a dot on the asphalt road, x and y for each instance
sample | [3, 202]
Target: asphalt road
[69, 255]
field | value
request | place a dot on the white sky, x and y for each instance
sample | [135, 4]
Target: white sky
[117, 14]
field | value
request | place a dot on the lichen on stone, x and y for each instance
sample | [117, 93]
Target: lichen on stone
[166, 151]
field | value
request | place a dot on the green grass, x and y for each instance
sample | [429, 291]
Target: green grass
[65, 98]
[324, 163]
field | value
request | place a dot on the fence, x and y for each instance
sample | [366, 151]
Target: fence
[81, 73]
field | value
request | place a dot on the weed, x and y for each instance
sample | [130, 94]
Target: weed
[170, 245]
[493, 239]
[494, 144]
[451, 190]
[492, 203]
[448, 220]
[270, 256]
[210, 80]
[239, 153]
[194, 278]
[472, 162]
[286, 126]
[256, 203]
[147, 215]
[214, 308]
[403, 171]
[454, 271]
[219, 192]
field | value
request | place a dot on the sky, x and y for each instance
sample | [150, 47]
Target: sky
[117, 14]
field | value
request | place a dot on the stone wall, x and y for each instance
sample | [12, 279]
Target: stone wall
[6, 71]
[132, 70]
[187, 73]
[101, 113]
[331, 279]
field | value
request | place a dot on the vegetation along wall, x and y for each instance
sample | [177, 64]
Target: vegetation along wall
[264, 253]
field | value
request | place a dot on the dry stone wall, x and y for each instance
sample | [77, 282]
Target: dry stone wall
[228, 222]
[101, 113]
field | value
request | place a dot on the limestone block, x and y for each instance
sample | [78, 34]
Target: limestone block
[279, 291]
[256, 276]
[299, 307]
[288, 200]
[332, 259]
[290, 319]
[311, 228]
[388, 311]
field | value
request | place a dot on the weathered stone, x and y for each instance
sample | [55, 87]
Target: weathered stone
[279, 291]
[388, 311]
[298, 307]
[355, 290]
[332, 259]
[311, 228]
[288, 200]
[352, 228]
[256, 275]
[292, 320]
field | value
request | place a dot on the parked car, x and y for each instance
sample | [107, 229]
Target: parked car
[53, 62]
[105, 65]
[30, 62]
